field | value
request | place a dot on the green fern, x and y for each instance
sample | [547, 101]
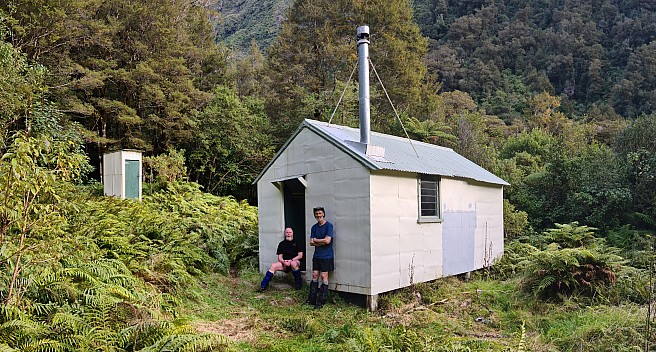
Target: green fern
[555, 272]
[571, 235]
[5, 348]
[521, 345]
[42, 345]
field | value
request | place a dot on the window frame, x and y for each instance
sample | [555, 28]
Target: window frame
[423, 178]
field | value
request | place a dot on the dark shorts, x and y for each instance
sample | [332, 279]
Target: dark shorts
[323, 265]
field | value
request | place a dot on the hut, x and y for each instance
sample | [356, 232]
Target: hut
[403, 211]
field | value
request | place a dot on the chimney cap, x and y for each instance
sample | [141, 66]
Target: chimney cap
[363, 32]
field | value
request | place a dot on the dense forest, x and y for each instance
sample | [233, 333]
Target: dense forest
[554, 97]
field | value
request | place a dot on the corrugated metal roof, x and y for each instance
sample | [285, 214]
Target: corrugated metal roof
[399, 154]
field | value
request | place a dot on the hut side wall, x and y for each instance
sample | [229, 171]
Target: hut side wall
[472, 225]
[403, 250]
[338, 183]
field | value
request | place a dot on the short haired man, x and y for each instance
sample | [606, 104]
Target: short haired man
[289, 256]
[321, 238]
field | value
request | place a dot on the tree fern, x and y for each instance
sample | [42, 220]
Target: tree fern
[571, 235]
[554, 271]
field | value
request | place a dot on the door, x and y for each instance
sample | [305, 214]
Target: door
[132, 180]
[294, 196]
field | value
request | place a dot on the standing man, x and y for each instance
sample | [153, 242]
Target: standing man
[321, 238]
[289, 256]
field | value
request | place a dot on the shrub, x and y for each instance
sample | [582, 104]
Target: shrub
[554, 272]
[571, 235]
[514, 253]
[515, 222]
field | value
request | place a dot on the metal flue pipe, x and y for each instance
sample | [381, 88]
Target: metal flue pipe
[363, 78]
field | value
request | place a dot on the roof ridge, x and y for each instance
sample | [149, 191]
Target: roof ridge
[331, 125]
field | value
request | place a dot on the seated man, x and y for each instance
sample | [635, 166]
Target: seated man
[289, 256]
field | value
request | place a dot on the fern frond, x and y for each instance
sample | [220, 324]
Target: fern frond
[189, 342]
[5, 348]
[45, 345]
[70, 321]
[521, 345]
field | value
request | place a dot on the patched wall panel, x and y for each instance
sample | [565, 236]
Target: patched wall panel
[458, 241]
[473, 214]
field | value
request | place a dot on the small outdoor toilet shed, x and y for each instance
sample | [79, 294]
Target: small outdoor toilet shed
[403, 211]
[122, 174]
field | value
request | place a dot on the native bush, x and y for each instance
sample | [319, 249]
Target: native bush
[82, 272]
[631, 284]
[571, 235]
[585, 266]
[515, 222]
[514, 253]
[225, 228]
[555, 272]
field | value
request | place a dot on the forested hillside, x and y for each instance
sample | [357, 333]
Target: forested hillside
[595, 55]
[554, 97]
[242, 22]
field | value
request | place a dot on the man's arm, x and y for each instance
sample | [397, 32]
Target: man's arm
[281, 259]
[321, 241]
[298, 256]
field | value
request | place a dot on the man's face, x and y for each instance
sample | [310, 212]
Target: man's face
[319, 214]
[289, 234]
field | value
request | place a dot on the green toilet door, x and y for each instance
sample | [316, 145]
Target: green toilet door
[132, 179]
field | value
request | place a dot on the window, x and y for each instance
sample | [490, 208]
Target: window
[429, 198]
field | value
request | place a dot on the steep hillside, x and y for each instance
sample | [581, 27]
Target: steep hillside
[596, 56]
[243, 21]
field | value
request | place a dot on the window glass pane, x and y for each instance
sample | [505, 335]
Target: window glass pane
[428, 212]
[428, 200]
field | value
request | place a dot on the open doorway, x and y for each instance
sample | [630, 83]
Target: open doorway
[294, 196]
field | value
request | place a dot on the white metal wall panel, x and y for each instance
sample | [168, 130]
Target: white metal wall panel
[489, 242]
[403, 250]
[352, 227]
[319, 155]
[111, 172]
[271, 221]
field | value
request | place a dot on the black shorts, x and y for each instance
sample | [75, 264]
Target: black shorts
[323, 265]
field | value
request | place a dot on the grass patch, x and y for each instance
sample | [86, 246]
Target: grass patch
[445, 315]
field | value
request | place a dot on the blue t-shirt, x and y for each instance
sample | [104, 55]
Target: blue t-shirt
[323, 252]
